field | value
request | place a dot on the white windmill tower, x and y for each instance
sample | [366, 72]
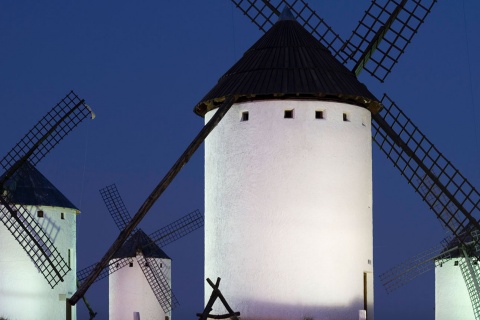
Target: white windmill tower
[288, 182]
[38, 229]
[130, 291]
[24, 291]
[456, 284]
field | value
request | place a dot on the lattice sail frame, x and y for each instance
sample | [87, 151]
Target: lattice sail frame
[158, 282]
[416, 157]
[383, 34]
[408, 270]
[46, 134]
[471, 276]
[115, 206]
[33, 147]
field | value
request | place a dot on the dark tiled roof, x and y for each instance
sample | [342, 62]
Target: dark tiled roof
[29, 187]
[288, 62]
[139, 240]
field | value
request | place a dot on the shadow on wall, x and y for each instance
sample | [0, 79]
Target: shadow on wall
[49, 226]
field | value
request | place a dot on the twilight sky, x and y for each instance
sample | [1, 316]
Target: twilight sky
[143, 66]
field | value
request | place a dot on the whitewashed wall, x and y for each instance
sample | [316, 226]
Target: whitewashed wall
[24, 292]
[288, 209]
[451, 295]
[129, 292]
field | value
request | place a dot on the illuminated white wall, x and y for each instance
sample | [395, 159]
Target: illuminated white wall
[451, 295]
[24, 292]
[288, 210]
[129, 292]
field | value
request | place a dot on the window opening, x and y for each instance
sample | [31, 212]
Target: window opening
[345, 117]
[245, 116]
[40, 213]
[62, 215]
[319, 114]
[288, 114]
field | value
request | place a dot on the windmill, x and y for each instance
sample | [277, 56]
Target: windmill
[50, 256]
[394, 133]
[456, 275]
[148, 266]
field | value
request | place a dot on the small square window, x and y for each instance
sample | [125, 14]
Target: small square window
[245, 116]
[319, 114]
[455, 263]
[40, 213]
[345, 117]
[130, 264]
[62, 215]
[288, 114]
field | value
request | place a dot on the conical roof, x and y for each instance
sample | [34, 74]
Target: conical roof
[288, 62]
[30, 187]
[139, 240]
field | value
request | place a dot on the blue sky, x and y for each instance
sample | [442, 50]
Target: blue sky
[143, 66]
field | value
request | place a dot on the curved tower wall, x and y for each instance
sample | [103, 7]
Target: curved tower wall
[288, 210]
[24, 292]
[452, 300]
[129, 292]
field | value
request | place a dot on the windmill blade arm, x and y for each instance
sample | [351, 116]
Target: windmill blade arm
[154, 195]
[46, 134]
[178, 229]
[158, 282]
[112, 267]
[417, 158]
[264, 14]
[30, 235]
[115, 206]
[383, 34]
[417, 265]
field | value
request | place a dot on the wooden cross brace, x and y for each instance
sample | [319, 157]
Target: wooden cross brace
[217, 294]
